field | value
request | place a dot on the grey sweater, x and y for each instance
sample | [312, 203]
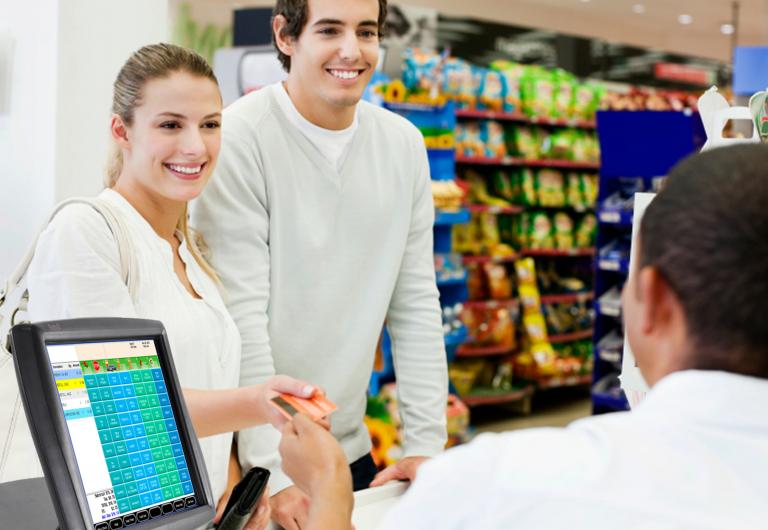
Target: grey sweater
[315, 260]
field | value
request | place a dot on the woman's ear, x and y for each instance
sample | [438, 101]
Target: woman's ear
[119, 131]
[284, 43]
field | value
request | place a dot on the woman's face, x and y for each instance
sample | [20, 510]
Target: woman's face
[172, 146]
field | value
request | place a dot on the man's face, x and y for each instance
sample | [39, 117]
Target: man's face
[335, 54]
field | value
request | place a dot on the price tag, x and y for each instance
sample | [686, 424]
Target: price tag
[610, 217]
[609, 265]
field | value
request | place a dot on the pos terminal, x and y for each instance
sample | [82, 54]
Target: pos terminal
[110, 426]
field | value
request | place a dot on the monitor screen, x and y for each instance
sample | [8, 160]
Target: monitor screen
[122, 425]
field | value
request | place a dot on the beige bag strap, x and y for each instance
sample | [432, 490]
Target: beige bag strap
[14, 296]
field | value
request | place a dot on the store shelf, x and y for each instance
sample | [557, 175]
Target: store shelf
[512, 161]
[615, 217]
[553, 253]
[411, 106]
[571, 337]
[607, 310]
[490, 304]
[452, 280]
[484, 208]
[518, 116]
[567, 298]
[562, 381]
[609, 356]
[609, 401]
[613, 265]
[494, 398]
[466, 350]
[447, 217]
[469, 260]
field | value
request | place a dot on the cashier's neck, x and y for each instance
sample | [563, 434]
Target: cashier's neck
[162, 214]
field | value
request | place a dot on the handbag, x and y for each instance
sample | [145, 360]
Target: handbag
[18, 458]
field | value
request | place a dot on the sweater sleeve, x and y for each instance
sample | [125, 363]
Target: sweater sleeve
[75, 271]
[414, 325]
[233, 216]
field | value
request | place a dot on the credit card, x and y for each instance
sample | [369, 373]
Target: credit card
[316, 407]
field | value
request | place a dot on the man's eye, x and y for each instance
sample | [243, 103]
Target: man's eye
[328, 31]
[170, 125]
[368, 34]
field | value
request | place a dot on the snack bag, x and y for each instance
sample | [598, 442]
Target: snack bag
[525, 142]
[563, 231]
[560, 144]
[502, 328]
[584, 102]
[529, 299]
[492, 135]
[574, 196]
[551, 188]
[537, 92]
[422, 72]
[459, 83]
[589, 189]
[491, 90]
[544, 138]
[473, 142]
[535, 327]
[511, 74]
[529, 187]
[544, 358]
[585, 233]
[499, 283]
[525, 269]
[503, 186]
[564, 93]
[540, 235]
[521, 230]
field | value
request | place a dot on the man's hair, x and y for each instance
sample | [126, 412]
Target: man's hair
[707, 234]
[296, 13]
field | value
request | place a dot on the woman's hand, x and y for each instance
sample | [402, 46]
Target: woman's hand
[280, 384]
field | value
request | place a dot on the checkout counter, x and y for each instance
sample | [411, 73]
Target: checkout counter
[114, 438]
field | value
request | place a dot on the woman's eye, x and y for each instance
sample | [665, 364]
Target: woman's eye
[211, 125]
[170, 125]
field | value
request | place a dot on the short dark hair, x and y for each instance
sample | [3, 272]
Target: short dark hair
[296, 13]
[707, 234]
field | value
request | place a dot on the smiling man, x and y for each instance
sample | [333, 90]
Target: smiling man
[319, 221]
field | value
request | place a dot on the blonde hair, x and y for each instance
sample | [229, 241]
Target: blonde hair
[156, 61]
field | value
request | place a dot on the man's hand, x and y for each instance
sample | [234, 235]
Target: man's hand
[290, 508]
[404, 469]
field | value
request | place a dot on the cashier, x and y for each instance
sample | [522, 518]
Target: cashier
[692, 455]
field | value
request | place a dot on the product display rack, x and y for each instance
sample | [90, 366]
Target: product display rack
[538, 254]
[645, 161]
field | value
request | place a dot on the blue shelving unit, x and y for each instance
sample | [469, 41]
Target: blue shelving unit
[453, 288]
[641, 145]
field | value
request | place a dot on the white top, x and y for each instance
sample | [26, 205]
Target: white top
[76, 273]
[334, 145]
[692, 456]
[314, 259]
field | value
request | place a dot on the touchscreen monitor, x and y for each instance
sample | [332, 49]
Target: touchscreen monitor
[133, 458]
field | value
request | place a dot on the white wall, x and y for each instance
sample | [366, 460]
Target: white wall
[54, 141]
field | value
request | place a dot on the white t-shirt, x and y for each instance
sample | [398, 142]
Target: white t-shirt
[692, 456]
[76, 273]
[333, 145]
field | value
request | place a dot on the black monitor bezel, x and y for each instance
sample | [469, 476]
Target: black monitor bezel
[48, 426]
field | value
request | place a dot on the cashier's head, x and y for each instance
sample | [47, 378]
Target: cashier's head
[697, 297]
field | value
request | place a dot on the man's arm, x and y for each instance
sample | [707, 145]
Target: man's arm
[415, 326]
[233, 216]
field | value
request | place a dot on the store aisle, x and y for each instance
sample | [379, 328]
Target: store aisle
[550, 409]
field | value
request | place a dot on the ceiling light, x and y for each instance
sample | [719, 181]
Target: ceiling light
[638, 9]
[685, 19]
[727, 29]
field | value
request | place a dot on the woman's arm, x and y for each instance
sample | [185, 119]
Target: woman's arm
[219, 411]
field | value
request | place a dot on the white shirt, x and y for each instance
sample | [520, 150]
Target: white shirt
[692, 456]
[315, 258]
[334, 145]
[76, 273]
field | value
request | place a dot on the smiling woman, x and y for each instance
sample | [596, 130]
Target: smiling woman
[166, 128]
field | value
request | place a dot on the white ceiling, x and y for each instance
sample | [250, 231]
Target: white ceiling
[613, 20]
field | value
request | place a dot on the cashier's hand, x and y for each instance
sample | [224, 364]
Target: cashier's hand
[315, 462]
[404, 469]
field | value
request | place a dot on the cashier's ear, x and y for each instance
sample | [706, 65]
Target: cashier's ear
[119, 131]
[283, 41]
